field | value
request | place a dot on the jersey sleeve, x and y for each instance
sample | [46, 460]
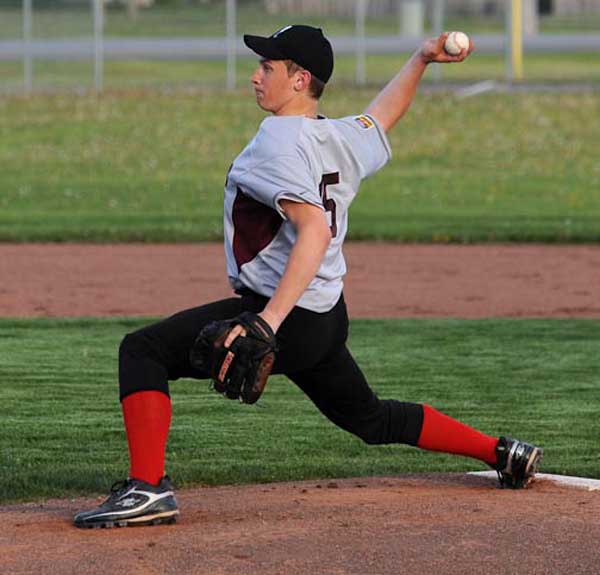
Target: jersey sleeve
[368, 142]
[284, 177]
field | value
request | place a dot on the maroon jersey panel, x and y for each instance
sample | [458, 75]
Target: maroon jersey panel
[254, 227]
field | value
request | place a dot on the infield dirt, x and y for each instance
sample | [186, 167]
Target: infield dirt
[383, 280]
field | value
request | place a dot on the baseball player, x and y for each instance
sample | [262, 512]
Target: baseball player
[286, 205]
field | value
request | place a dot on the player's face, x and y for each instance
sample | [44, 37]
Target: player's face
[273, 86]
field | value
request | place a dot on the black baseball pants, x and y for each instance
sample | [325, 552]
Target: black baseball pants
[312, 353]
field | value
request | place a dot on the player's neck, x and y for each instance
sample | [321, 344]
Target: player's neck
[308, 107]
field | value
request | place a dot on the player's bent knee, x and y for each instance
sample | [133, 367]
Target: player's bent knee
[133, 345]
[140, 367]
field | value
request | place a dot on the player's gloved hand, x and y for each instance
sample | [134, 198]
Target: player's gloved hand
[239, 371]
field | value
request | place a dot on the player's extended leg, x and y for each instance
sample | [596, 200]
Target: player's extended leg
[338, 388]
[340, 391]
[148, 359]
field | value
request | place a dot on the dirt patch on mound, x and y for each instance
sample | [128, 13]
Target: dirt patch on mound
[447, 524]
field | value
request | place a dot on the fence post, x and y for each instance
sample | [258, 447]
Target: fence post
[413, 16]
[230, 18]
[438, 28]
[530, 17]
[98, 8]
[27, 57]
[514, 40]
[360, 15]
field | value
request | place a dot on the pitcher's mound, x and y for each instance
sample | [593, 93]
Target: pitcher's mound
[434, 523]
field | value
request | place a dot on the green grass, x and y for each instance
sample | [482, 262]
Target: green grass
[49, 76]
[62, 432]
[149, 166]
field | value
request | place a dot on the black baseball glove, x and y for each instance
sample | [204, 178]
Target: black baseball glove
[240, 371]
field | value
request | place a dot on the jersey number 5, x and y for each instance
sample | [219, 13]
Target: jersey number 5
[328, 203]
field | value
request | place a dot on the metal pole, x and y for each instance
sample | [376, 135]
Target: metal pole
[517, 39]
[98, 6]
[438, 16]
[514, 41]
[531, 18]
[438, 28]
[27, 57]
[230, 31]
[412, 18]
[507, 42]
[361, 67]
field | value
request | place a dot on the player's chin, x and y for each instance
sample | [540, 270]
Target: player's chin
[260, 100]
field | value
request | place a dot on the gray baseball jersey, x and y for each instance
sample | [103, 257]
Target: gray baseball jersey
[317, 161]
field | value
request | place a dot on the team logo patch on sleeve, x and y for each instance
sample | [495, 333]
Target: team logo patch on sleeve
[364, 121]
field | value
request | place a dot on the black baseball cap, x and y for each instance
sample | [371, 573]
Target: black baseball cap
[304, 45]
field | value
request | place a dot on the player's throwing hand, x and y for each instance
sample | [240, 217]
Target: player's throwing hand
[433, 50]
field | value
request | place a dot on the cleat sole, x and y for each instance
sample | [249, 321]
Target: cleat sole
[165, 518]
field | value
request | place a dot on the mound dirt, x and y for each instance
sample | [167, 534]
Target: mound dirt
[450, 524]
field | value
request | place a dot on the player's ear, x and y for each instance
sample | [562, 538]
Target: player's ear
[303, 78]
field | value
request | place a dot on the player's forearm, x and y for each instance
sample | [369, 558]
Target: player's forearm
[304, 262]
[395, 99]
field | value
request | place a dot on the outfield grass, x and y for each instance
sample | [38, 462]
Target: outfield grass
[149, 166]
[62, 432]
[211, 74]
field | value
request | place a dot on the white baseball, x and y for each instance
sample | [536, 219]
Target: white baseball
[456, 42]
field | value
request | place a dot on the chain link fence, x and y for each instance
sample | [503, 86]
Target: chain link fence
[132, 44]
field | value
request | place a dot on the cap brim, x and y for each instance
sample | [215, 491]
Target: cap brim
[264, 47]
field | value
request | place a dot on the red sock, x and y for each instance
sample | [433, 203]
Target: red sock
[442, 433]
[147, 416]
